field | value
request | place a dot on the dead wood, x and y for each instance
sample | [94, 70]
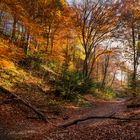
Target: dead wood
[34, 109]
[133, 106]
[75, 121]
[34, 117]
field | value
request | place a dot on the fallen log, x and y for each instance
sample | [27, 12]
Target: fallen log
[34, 109]
[7, 101]
[34, 117]
[133, 106]
[75, 121]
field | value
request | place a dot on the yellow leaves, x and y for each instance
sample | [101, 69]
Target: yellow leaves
[6, 64]
[58, 13]
[71, 66]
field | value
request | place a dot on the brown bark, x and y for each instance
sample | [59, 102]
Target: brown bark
[105, 71]
[14, 27]
[133, 106]
[26, 45]
[134, 80]
[114, 76]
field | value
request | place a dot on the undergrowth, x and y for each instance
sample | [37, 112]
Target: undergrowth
[72, 83]
[106, 93]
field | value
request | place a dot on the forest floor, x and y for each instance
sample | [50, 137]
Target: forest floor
[15, 123]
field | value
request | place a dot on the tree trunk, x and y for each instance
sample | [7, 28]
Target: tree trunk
[105, 71]
[85, 66]
[134, 80]
[113, 79]
[48, 37]
[26, 46]
[138, 52]
[14, 27]
[97, 71]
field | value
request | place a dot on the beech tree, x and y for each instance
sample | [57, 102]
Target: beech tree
[94, 25]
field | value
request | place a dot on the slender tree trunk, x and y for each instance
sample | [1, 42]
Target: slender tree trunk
[138, 52]
[106, 65]
[113, 79]
[121, 78]
[85, 66]
[93, 59]
[67, 59]
[48, 37]
[52, 43]
[26, 46]
[14, 27]
[1, 25]
[134, 80]
[97, 71]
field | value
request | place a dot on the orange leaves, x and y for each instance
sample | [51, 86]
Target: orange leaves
[102, 52]
[10, 52]
[131, 9]
[6, 64]
[41, 21]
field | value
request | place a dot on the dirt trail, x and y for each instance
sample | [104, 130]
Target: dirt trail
[104, 108]
[15, 126]
[109, 107]
[104, 129]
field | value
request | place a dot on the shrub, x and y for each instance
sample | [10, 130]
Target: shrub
[72, 83]
[109, 93]
[52, 64]
[32, 61]
[106, 93]
[97, 86]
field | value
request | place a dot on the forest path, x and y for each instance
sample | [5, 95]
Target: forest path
[101, 129]
[103, 108]
[14, 124]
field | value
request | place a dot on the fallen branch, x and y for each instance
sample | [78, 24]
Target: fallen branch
[75, 121]
[133, 106]
[34, 117]
[34, 109]
[7, 101]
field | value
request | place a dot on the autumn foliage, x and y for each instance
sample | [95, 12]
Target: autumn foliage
[82, 36]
